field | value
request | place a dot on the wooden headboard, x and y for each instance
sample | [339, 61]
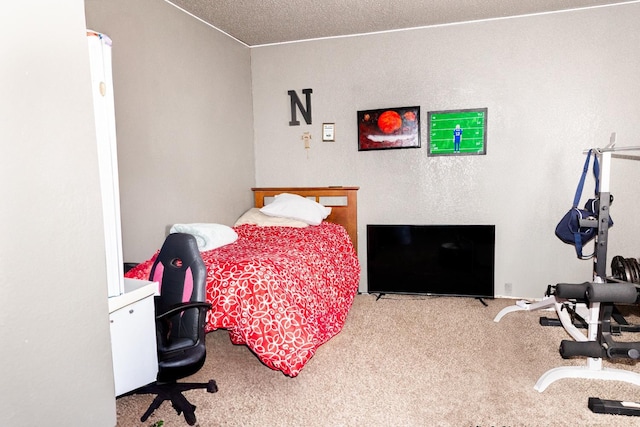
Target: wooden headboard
[342, 200]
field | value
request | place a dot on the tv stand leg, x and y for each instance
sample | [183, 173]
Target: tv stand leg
[380, 295]
[482, 301]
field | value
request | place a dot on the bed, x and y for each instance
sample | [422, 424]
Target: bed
[284, 290]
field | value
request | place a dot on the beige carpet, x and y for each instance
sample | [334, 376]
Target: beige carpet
[404, 361]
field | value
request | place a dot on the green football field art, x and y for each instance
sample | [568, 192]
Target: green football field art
[457, 132]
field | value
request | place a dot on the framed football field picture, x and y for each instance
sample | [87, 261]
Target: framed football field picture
[457, 132]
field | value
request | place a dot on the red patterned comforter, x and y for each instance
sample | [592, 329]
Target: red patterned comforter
[282, 291]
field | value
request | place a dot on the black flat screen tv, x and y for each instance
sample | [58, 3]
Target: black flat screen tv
[454, 260]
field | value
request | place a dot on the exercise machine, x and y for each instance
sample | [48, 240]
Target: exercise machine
[593, 304]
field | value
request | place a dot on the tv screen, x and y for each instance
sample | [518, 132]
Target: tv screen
[456, 260]
[457, 132]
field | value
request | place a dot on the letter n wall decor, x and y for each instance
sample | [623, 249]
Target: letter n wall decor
[305, 110]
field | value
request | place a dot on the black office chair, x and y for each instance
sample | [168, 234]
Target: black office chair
[181, 312]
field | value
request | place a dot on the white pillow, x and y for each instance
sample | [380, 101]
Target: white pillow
[292, 206]
[255, 217]
[208, 236]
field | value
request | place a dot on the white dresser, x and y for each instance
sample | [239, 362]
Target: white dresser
[133, 335]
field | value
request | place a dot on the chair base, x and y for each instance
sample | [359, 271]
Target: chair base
[173, 392]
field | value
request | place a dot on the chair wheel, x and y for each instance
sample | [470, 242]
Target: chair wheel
[190, 417]
[212, 387]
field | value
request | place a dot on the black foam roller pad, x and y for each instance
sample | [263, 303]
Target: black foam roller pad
[625, 350]
[571, 290]
[581, 348]
[623, 293]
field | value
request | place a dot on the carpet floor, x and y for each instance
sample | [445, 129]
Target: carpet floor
[405, 361]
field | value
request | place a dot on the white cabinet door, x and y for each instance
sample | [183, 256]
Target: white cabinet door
[133, 344]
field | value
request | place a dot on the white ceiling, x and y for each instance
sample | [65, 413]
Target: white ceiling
[260, 22]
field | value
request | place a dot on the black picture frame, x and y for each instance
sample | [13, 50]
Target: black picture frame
[389, 128]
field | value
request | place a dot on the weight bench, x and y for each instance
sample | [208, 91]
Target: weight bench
[599, 342]
[594, 303]
[600, 298]
[604, 346]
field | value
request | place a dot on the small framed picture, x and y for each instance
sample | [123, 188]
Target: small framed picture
[328, 131]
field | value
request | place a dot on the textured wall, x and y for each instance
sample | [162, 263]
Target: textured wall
[56, 353]
[554, 85]
[183, 118]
